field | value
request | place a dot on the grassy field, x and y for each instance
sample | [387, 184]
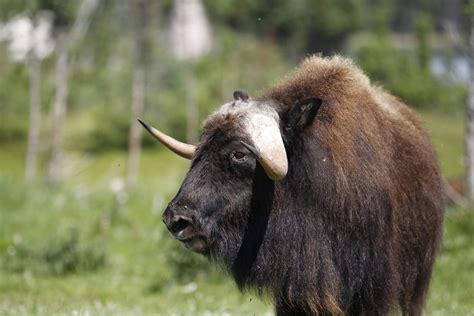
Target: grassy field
[76, 250]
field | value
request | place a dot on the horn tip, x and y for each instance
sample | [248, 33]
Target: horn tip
[145, 125]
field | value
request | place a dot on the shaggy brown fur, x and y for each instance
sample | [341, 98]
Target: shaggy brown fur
[375, 141]
[355, 225]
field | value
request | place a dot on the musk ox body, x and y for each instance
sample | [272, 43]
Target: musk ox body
[323, 192]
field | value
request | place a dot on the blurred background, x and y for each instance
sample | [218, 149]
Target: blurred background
[82, 190]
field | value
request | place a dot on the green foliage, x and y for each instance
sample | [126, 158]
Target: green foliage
[469, 7]
[64, 10]
[423, 31]
[256, 42]
[402, 74]
[54, 256]
[13, 102]
[182, 266]
[321, 23]
[111, 131]
[101, 121]
[186, 266]
[381, 20]
[330, 18]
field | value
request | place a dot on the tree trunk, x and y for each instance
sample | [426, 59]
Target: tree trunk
[192, 112]
[138, 94]
[58, 113]
[470, 120]
[35, 117]
[135, 136]
[65, 43]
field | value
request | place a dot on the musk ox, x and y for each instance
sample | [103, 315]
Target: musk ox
[323, 192]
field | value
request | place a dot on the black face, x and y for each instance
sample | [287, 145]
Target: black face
[209, 214]
[215, 195]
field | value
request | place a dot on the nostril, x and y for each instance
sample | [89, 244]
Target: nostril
[179, 224]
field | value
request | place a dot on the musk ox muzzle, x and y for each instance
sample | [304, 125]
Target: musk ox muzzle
[183, 223]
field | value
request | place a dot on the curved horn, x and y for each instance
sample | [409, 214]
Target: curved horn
[269, 149]
[182, 149]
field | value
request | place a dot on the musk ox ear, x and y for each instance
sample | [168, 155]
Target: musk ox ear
[302, 114]
[240, 95]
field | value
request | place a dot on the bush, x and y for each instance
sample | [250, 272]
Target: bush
[401, 73]
[56, 256]
[179, 266]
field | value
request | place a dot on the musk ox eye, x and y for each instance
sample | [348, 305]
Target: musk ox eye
[238, 156]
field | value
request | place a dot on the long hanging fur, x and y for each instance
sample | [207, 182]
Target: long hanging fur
[369, 192]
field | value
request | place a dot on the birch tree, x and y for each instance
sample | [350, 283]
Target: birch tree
[66, 43]
[42, 46]
[30, 41]
[191, 38]
[138, 91]
[34, 70]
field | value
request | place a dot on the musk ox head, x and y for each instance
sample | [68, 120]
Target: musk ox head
[243, 138]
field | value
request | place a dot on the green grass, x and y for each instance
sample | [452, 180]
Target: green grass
[447, 135]
[145, 271]
[452, 286]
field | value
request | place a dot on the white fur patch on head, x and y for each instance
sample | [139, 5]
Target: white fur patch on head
[261, 122]
[258, 119]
